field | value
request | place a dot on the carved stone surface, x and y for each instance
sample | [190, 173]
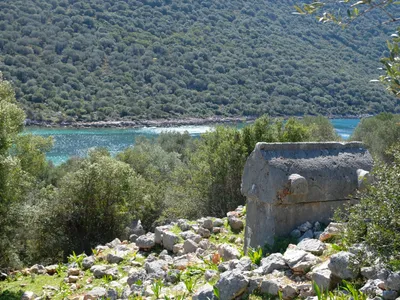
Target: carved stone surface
[287, 184]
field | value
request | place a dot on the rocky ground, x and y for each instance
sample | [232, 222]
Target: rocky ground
[203, 259]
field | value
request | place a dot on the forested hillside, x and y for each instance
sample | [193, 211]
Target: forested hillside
[106, 60]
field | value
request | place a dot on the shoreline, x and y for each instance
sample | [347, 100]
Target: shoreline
[156, 122]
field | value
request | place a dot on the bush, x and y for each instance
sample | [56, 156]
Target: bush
[375, 220]
[95, 203]
[379, 133]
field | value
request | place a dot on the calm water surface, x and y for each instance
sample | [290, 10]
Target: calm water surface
[77, 142]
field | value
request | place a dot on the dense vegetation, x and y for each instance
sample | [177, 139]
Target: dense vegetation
[102, 59]
[48, 212]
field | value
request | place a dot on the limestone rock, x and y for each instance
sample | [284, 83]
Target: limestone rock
[158, 268]
[210, 274]
[333, 229]
[169, 240]
[305, 227]
[158, 233]
[236, 224]
[270, 286]
[96, 293]
[205, 233]
[393, 281]
[208, 224]
[231, 285]
[371, 287]
[300, 261]
[191, 235]
[73, 271]
[146, 242]
[316, 247]
[28, 295]
[178, 248]
[344, 265]
[228, 252]
[183, 225]
[88, 262]
[206, 292]
[99, 271]
[189, 246]
[289, 291]
[218, 223]
[115, 258]
[114, 243]
[275, 261]
[323, 277]
[307, 235]
[51, 270]
[134, 277]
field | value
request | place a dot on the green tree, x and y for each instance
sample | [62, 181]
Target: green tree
[96, 202]
[379, 133]
[375, 219]
[354, 9]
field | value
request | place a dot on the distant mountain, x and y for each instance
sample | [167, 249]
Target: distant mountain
[107, 60]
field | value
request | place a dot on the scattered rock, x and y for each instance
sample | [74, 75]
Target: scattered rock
[206, 292]
[316, 247]
[191, 235]
[114, 243]
[28, 295]
[205, 233]
[305, 227]
[115, 258]
[157, 268]
[332, 230]
[183, 225]
[231, 285]
[275, 261]
[210, 274]
[189, 246]
[270, 286]
[228, 252]
[344, 265]
[99, 271]
[133, 238]
[138, 275]
[393, 281]
[236, 224]
[146, 242]
[88, 262]
[96, 293]
[218, 223]
[289, 291]
[177, 249]
[158, 233]
[300, 261]
[307, 235]
[51, 270]
[208, 224]
[323, 277]
[169, 240]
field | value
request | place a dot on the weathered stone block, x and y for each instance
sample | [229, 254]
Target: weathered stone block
[288, 184]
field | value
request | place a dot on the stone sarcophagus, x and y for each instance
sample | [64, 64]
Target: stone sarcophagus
[287, 184]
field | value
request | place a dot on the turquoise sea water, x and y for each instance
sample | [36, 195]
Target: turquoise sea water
[76, 142]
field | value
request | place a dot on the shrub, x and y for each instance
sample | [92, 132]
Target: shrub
[375, 220]
[379, 133]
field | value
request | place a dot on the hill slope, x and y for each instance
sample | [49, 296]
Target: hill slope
[107, 60]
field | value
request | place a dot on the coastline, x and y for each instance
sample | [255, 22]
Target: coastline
[157, 122]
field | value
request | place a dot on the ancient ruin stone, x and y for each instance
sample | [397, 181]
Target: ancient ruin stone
[288, 184]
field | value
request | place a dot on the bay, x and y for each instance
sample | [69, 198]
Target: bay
[69, 142]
